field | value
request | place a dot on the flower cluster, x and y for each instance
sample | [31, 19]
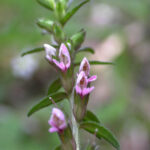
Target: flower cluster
[83, 79]
[64, 57]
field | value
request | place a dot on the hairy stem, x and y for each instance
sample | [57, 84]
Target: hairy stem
[74, 124]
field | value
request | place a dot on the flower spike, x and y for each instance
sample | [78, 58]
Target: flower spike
[57, 121]
[64, 57]
[50, 51]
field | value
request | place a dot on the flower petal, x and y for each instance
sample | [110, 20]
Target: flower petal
[92, 78]
[59, 65]
[85, 66]
[63, 51]
[87, 90]
[78, 89]
[53, 129]
[50, 51]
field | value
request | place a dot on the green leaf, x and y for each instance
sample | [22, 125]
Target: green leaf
[57, 97]
[58, 148]
[34, 50]
[78, 38]
[49, 4]
[73, 11]
[46, 24]
[86, 49]
[100, 132]
[59, 35]
[91, 147]
[54, 86]
[96, 62]
[90, 116]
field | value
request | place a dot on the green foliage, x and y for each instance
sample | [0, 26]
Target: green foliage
[86, 49]
[60, 10]
[96, 62]
[100, 132]
[34, 50]
[54, 86]
[58, 33]
[72, 12]
[49, 4]
[58, 148]
[90, 116]
[78, 38]
[45, 24]
[57, 97]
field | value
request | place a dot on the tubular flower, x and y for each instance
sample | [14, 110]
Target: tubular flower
[64, 58]
[50, 51]
[57, 121]
[85, 66]
[82, 84]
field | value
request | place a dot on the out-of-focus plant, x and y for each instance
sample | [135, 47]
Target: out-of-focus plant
[77, 86]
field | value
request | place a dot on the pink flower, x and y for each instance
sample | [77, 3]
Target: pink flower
[85, 66]
[64, 58]
[57, 121]
[82, 84]
[50, 51]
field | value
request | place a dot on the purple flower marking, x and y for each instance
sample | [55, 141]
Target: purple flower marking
[64, 58]
[57, 121]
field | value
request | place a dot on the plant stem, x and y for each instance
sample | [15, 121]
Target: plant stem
[74, 124]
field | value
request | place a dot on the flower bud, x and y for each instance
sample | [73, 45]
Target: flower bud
[85, 66]
[57, 121]
[60, 9]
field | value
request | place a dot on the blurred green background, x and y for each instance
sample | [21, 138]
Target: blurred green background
[118, 30]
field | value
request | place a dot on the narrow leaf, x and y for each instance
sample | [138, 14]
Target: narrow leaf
[34, 50]
[57, 97]
[90, 116]
[100, 132]
[73, 11]
[45, 24]
[47, 4]
[78, 38]
[86, 49]
[96, 62]
[54, 86]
